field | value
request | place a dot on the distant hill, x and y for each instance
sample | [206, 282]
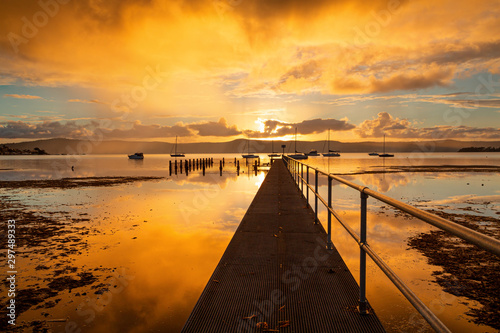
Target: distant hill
[69, 146]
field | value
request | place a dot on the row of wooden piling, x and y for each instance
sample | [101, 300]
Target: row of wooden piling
[188, 165]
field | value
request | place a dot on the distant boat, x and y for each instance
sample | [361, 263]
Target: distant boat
[176, 154]
[313, 152]
[384, 154]
[136, 156]
[273, 154]
[297, 155]
[248, 155]
[331, 153]
[373, 154]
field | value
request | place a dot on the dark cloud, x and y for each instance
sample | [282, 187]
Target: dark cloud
[213, 128]
[276, 128]
[412, 81]
[461, 53]
[402, 128]
[476, 103]
[139, 130]
[70, 129]
[54, 129]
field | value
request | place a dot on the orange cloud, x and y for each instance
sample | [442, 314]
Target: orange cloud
[402, 128]
[22, 96]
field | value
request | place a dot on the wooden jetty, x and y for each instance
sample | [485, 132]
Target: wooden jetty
[276, 274]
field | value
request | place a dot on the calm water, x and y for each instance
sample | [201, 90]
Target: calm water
[162, 239]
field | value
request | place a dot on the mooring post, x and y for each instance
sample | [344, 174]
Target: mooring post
[316, 221]
[329, 241]
[362, 256]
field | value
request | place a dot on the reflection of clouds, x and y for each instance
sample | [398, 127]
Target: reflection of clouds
[469, 198]
[209, 179]
[382, 182]
[169, 277]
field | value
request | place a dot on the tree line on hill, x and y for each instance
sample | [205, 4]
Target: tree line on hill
[4, 150]
[479, 149]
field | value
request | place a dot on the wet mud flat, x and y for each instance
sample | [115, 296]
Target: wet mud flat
[467, 270]
[429, 168]
[50, 242]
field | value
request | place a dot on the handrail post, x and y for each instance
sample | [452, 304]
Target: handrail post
[329, 240]
[307, 182]
[302, 178]
[295, 171]
[362, 256]
[316, 221]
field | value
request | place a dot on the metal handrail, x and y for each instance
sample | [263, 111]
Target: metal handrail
[485, 242]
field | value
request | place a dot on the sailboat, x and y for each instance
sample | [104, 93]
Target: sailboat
[273, 154]
[331, 153]
[384, 154]
[176, 154]
[297, 155]
[248, 155]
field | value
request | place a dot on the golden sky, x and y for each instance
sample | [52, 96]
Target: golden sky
[223, 69]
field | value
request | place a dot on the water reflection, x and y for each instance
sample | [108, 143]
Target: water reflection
[168, 235]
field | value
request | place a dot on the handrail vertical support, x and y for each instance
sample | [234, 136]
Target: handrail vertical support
[302, 178]
[362, 256]
[307, 182]
[316, 220]
[295, 173]
[329, 244]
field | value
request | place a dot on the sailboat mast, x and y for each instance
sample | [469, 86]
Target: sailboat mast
[295, 139]
[176, 145]
[384, 143]
[328, 140]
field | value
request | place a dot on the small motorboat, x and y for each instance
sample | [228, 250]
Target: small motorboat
[136, 156]
[313, 152]
[373, 154]
[298, 156]
[331, 153]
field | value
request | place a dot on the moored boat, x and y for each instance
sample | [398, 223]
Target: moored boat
[331, 153]
[313, 152]
[384, 154]
[176, 154]
[136, 156]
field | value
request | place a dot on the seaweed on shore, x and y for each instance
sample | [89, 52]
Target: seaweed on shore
[66, 183]
[468, 271]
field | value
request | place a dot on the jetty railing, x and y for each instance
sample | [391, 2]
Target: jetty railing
[296, 169]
